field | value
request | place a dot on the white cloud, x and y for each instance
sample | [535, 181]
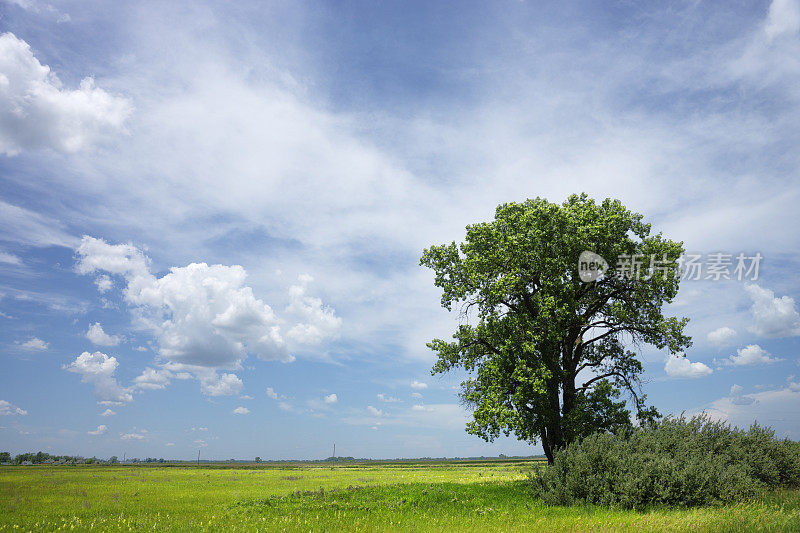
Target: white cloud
[678, 366]
[22, 225]
[101, 429]
[284, 406]
[419, 385]
[42, 9]
[6, 409]
[241, 410]
[36, 111]
[773, 317]
[98, 369]
[752, 354]
[225, 384]
[246, 397]
[133, 436]
[271, 393]
[319, 322]
[122, 259]
[108, 412]
[331, 398]
[776, 407]
[374, 411]
[103, 283]
[169, 444]
[417, 395]
[388, 399]
[722, 337]
[152, 379]
[201, 443]
[783, 18]
[439, 416]
[202, 316]
[420, 407]
[10, 259]
[34, 343]
[99, 337]
[737, 398]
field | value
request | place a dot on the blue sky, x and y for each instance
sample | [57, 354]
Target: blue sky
[212, 214]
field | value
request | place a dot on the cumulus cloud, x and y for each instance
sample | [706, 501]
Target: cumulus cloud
[103, 283]
[101, 429]
[678, 366]
[98, 369]
[388, 399]
[241, 410]
[36, 111]
[374, 411]
[34, 344]
[773, 317]
[752, 354]
[108, 412]
[420, 407]
[418, 385]
[202, 316]
[331, 398]
[318, 322]
[7, 409]
[213, 384]
[722, 337]
[99, 337]
[152, 379]
[417, 395]
[271, 393]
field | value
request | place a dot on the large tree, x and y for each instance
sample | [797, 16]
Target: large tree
[548, 355]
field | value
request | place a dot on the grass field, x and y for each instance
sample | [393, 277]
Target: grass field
[447, 496]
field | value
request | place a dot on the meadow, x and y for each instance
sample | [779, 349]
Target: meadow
[407, 496]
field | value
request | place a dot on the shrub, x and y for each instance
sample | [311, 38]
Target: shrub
[677, 461]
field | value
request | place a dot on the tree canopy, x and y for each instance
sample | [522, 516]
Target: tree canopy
[549, 355]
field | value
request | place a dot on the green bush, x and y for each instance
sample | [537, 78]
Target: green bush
[677, 461]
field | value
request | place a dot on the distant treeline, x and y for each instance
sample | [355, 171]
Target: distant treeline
[38, 458]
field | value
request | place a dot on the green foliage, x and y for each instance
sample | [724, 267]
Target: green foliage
[536, 325]
[677, 461]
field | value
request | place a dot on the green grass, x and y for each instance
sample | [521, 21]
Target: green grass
[488, 496]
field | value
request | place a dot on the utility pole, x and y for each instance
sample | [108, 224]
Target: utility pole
[334, 452]
[198, 457]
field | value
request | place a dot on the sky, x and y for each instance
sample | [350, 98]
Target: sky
[212, 214]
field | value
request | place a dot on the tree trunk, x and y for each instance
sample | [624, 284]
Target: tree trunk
[548, 452]
[554, 436]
